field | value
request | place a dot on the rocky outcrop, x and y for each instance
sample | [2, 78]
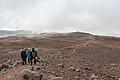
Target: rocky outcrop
[9, 64]
[31, 75]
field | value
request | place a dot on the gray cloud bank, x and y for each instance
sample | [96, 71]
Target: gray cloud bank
[94, 16]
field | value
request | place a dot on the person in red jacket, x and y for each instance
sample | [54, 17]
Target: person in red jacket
[23, 56]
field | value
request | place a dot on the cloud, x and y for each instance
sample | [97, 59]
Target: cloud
[98, 17]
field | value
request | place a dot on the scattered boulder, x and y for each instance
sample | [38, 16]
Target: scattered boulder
[10, 62]
[4, 69]
[81, 71]
[4, 66]
[76, 78]
[11, 66]
[110, 77]
[93, 77]
[51, 77]
[88, 69]
[31, 75]
[9, 77]
[118, 78]
[112, 64]
[18, 62]
[60, 65]
[72, 69]
[37, 68]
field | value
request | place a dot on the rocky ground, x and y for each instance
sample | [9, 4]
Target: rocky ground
[73, 56]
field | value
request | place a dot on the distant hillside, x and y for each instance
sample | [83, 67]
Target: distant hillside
[6, 33]
[65, 36]
[76, 36]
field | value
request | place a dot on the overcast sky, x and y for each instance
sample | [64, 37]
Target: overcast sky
[94, 16]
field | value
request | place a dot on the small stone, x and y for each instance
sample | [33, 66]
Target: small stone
[15, 64]
[52, 72]
[112, 64]
[88, 68]
[72, 68]
[9, 77]
[11, 66]
[78, 70]
[61, 65]
[32, 69]
[93, 76]
[19, 62]
[37, 68]
[76, 78]
[48, 71]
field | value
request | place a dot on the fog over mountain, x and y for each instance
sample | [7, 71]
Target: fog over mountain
[94, 16]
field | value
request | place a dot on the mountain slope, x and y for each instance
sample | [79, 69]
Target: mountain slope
[75, 56]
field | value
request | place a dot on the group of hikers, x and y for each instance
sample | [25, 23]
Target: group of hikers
[30, 54]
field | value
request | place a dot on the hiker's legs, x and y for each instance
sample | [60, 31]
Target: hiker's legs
[22, 61]
[31, 60]
[25, 61]
[35, 60]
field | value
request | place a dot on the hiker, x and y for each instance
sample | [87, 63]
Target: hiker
[33, 56]
[28, 55]
[23, 56]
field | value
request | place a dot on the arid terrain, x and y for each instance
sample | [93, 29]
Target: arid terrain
[62, 56]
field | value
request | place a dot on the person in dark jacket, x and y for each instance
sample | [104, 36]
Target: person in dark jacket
[23, 56]
[33, 56]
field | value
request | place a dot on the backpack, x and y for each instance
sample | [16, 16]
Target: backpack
[29, 54]
[33, 54]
